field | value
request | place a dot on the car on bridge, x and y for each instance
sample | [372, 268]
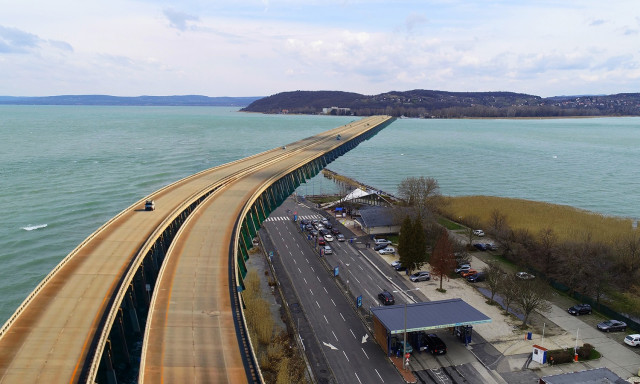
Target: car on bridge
[149, 205]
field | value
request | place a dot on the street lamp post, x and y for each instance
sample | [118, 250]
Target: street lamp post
[404, 344]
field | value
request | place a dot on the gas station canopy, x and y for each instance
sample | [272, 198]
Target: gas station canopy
[428, 315]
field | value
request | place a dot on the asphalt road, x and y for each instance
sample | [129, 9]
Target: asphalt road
[352, 355]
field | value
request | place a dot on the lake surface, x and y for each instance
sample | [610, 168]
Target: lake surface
[66, 170]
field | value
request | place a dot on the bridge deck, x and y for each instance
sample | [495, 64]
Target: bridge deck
[51, 335]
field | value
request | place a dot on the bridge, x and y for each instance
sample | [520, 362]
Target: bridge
[164, 287]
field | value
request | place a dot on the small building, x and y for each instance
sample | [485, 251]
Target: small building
[377, 220]
[591, 376]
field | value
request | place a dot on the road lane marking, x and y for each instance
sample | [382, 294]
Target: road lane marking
[325, 319]
[365, 353]
[345, 355]
[305, 280]
[299, 270]
[294, 261]
[360, 266]
[379, 287]
[334, 335]
[379, 375]
[312, 268]
[317, 304]
[356, 278]
[307, 260]
[311, 291]
[325, 289]
[334, 303]
[354, 335]
[355, 373]
[318, 277]
[342, 317]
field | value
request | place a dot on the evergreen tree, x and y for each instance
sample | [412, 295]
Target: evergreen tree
[404, 241]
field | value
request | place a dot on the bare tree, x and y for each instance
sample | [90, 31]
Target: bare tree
[546, 250]
[443, 260]
[473, 223]
[628, 257]
[508, 290]
[532, 295]
[423, 193]
[494, 278]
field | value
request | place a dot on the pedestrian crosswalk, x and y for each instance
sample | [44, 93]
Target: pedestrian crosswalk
[289, 218]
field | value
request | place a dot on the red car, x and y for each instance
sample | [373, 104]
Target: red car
[321, 241]
[468, 273]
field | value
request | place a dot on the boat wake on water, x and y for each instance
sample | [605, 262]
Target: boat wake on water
[33, 227]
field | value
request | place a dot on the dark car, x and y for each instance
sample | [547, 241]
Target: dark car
[340, 237]
[480, 246]
[580, 309]
[386, 297]
[305, 222]
[434, 344]
[612, 326]
[324, 231]
[477, 277]
[335, 231]
[379, 247]
[328, 225]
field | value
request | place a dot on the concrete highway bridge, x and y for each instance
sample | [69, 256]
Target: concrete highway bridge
[159, 292]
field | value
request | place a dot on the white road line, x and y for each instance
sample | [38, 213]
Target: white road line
[354, 372]
[299, 270]
[365, 353]
[379, 287]
[313, 269]
[325, 319]
[305, 280]
[342, 317]
[307, 260]
[311, 291]
[318, 277]
[334, 303]
[354, 335]
[360, 266]
[317, 304]
[345, 355]
[356, 279]
[294, 261]
[334, 335]
[379, 375]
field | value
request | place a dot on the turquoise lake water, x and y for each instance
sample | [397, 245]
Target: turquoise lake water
[65, 170]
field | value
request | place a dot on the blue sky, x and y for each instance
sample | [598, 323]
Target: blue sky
[259, 48]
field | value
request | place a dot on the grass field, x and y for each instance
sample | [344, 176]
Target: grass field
[567, 222]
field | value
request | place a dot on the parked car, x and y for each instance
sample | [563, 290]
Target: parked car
[328, 237]
[340, 237]
[407, 349]
[491, 247]
[477, 277]
[382, 241]
[524, 275]
[468, 273]
[386, 297]
[478, 232]
[398, 266]
[612, 326]
[633, 340]
[420, 276]
[387, 251]
[379, 247]
[462, 268]
[580, 309]
[480, 246]
[434, 344]
[328, 250]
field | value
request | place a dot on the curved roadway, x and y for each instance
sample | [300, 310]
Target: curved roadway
[55, 333]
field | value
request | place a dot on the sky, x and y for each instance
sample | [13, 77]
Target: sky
[259, 48]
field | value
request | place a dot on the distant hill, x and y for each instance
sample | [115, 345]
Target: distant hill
[442, 104]
[186, 100]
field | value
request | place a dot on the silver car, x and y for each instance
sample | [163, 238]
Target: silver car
[420, 276]
[387, 251]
